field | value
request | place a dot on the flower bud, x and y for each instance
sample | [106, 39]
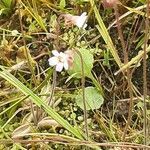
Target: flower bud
[70, 59]
[109, 3]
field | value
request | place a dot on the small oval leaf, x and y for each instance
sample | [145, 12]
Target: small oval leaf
[48, 123]
[21, 131]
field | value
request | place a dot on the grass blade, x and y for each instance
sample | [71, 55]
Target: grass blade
[105, 35]
[39, 102]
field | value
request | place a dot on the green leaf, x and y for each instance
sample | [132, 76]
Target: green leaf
[93, 98]
[7, 3]
[62, 3]
[88, 61]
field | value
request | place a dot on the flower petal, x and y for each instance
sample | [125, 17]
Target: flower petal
[59, 67]
[55, 53]
[53, 61]
[81, 20]
[66, 65]
[63, 55]
[83, 14]
[85, 25]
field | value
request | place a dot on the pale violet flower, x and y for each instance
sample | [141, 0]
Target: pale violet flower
[59, 60]
[79, 21]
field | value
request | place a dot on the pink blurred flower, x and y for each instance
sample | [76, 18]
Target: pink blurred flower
[109, 3]
[79, 21]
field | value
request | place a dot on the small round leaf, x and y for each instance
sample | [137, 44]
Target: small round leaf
[88, 61]
[93, 98]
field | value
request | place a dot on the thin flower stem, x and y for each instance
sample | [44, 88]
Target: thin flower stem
[145, 73]
[83, 94]
[127, 74]
[53, 86]
[120, 34]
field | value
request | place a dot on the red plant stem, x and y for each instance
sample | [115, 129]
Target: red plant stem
[127, 73]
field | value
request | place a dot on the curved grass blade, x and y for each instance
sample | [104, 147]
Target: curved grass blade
[132, 61]
[39, 102]
[105, 35]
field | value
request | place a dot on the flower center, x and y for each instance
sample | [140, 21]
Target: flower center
[61, 59]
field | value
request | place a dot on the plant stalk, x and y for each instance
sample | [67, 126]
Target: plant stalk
[127, 73]
[145, 73]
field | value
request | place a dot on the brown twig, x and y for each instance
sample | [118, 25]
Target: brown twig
[145, 73]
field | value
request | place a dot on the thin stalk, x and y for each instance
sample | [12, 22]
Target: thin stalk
[53, 86]
[83, 94]
[127, 74]
[145, 73]
[120, 34]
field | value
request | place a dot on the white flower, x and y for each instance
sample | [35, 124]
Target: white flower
[60, 60]
[80, 21]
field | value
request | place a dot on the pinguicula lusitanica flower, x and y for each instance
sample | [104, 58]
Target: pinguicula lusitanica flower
[61, 60]
[79, 21]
